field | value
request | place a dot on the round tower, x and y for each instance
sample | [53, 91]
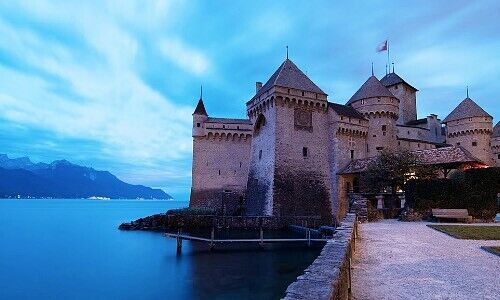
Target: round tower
[199, 117]
[381, 108]
[470, 127]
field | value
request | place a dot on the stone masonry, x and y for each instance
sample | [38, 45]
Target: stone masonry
[286, 158]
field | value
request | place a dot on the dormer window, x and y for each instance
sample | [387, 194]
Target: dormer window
[302, 93]
[198, 125]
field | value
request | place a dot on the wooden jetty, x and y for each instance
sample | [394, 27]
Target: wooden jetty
[212, 241]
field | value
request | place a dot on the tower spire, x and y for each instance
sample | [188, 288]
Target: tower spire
[467, 91]
[372, 68]
[287, 52]
[392, 67]
[201, 92]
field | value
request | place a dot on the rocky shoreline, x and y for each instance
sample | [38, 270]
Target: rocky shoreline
[171, 220]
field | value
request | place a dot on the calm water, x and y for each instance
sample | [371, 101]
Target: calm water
[71, 249]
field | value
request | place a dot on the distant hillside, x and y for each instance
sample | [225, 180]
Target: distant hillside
[62, 179]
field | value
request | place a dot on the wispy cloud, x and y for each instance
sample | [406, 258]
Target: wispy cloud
[188, 59]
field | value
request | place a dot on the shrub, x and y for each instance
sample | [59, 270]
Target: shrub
[474, 189]
[191, 211]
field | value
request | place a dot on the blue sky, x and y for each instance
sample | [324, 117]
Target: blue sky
[112, 84]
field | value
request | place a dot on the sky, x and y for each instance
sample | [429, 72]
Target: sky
[112, 84]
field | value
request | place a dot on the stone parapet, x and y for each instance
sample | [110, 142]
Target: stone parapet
[328, 277]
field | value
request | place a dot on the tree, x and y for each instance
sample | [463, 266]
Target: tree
[391, 170]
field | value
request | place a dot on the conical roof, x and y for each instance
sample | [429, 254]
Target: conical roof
[466, 109]
[370, 89]
[290, 76]
[496, 130]
[393, 79]
[200, 108]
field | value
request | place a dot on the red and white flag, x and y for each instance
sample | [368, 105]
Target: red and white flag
[382, 47]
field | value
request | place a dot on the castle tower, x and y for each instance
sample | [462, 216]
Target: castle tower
[199, 117]
[381, 108]
[289, 169]
[406, 94]
[495, 144]
[469, 126]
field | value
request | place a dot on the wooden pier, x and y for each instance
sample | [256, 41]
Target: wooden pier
[212, 241]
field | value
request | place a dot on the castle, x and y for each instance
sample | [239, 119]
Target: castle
[292, 156]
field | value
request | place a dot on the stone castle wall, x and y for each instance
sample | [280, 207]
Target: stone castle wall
[473, 134]
[302, 172]
[382, 113]
[495, 149]
[221, 159]
[407, 102]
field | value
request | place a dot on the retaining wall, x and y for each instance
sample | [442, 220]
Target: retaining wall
[328, 277]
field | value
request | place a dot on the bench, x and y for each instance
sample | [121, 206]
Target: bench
[458, 214]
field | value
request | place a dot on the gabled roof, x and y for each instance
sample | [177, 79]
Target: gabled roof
[496, 130]
[346, 111]
[452, 156]
[466, 109]
[290, 76]
[370, 89]
[200, 108]
[393, 79]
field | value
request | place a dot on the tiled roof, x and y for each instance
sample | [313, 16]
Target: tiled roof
[290, 76]
[200, 108]
[417, 122]
[370, 89]
[466, 109]
[393, 79]
[451, 155]
[347, 111]
[496, 130]
[228, 121]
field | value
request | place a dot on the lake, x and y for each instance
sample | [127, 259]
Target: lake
[72, 249]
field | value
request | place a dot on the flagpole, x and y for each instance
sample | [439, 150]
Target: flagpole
[388, 56]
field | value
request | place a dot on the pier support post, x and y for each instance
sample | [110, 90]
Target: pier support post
[179, 241]
[212, 236]
[261, 237]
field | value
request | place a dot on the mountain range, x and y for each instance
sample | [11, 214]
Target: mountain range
[21, 178]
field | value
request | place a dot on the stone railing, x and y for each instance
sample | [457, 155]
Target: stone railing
[329, 276]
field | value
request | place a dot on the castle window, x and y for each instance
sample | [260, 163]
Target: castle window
[341, 118]
[237, 127]
[458, 144]
[260, 154]
[304, 151]
[302, 93]
[380, 148]
[374, 135]
[240, 164]
[198, 125]
[384, 127]
[396, 87]
[418, 145]
[288, 91]
[362, 101]
[474, 144]
[383, 133]
[223, 126]
[359, 121]
[399, 143]
[352, 154]
[498, 156]
[408, 132]
[219, 172]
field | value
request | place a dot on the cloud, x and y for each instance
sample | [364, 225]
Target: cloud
[184, 57]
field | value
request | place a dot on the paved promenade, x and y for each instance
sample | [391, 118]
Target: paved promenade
[408, 260]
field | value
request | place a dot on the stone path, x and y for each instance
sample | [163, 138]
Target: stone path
[408, 260]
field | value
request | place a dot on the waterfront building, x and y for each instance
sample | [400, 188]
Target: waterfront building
[296, 152]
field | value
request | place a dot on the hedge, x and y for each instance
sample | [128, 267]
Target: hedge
[474, 189]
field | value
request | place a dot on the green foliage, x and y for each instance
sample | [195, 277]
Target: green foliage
[475, 189]
[391, 170]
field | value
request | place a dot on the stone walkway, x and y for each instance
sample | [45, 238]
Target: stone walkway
[408, 260]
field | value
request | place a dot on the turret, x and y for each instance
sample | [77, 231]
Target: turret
[199, 117]
[469, 126]
[406, 94]
[495, 144]
[381, 108]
